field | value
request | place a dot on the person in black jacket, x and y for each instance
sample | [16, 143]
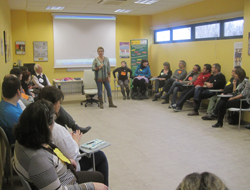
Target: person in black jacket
[216, 81]
[123, 79]
[164, 75]
[213, 100]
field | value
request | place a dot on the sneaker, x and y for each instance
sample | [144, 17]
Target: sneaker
[193, 113]
[128, 98]
[177, 109]
[124, 97]
[165, 102]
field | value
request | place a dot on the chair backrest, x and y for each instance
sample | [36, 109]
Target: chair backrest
[25, 183]
[6, 146]
[88, 79]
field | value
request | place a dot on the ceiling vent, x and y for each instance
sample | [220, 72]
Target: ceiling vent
[111, 2]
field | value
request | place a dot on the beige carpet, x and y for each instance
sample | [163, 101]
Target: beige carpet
[153, 148]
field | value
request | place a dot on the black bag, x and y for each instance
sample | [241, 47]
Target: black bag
[233, 118]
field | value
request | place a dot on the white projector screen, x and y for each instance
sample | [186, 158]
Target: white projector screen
[77, 37]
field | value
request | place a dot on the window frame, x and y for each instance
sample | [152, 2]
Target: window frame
[221, 37]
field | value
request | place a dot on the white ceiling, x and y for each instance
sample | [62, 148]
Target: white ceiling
[91, 6]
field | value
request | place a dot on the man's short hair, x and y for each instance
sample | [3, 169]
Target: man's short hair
[183, 63]
[10, 86]
[198, 66]
[208, 67]
[16, 71]
[51, 93]
[217, 66]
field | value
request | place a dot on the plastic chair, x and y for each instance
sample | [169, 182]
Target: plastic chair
[89, 87]
[240, 109]
[6, 157]
[25, 183]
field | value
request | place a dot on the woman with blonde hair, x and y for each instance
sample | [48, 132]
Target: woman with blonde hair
[101, 67]
[190, 182]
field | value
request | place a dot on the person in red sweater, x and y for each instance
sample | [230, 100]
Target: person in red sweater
[204, 75]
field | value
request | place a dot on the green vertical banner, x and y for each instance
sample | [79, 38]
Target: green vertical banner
[139, 51]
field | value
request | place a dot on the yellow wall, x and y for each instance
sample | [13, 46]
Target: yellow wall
[33, 26]
[5, 25]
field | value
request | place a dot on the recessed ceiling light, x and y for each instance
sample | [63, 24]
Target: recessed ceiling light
[148, 2]
[54, 8]
[122, 11]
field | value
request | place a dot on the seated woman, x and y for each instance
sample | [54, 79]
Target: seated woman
[164, 75]
[69, 143]
[142, 73]
[25, 81]
[123, 79]
[242, 91]
[41, 162]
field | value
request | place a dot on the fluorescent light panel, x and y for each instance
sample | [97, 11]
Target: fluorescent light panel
[54, 8]
[148, 2]
[122, 11]
[84, 17]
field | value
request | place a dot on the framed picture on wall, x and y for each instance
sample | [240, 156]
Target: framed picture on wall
[40, 51]
[20, 48]
[5, 46]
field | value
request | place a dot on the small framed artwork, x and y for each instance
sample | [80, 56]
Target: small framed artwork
[40, 51]
[20, 48]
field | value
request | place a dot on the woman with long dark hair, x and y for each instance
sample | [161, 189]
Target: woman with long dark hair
[142, 74]
[239, 92]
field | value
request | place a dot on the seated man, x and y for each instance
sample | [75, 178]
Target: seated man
[179, 86]
[178, 75]
[215, 81]
[10, 109]
[213, 100]
[40, 80]
[191, 77]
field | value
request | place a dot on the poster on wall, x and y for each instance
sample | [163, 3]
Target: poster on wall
[20, 48]
[1, 46]
[124, 50]
[249, 43]
[40, 51]
[237, 54]
[139, 51]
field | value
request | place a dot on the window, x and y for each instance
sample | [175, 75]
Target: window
[182, 34]
[219, 30]
[233, 28]
[163, 36]
[207, 31]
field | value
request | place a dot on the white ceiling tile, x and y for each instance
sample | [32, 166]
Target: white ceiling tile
[35, 4]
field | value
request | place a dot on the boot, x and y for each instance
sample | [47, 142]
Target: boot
[158, 95]
[128, 95]
[123, 93]
[111, 103]
[101, 102]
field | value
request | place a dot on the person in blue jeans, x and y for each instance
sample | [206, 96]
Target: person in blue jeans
[142, 73]
[101, 67]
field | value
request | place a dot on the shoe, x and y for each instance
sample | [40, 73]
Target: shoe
[247, 126]
[83, 130]
[193, 113]
[177, 109]
[169, 107]
[111, 105]
[124, 97]
[128, 98]
[155, 99]
[207, 117]
[140, 96]
[157, 95]
[216, 125]
[213, 117]
[165, 102]
[165, 96]
[172, 106]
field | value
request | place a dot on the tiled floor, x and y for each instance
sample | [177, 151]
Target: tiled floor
[154, 147]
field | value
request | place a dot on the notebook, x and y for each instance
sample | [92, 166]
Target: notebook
[93, 144]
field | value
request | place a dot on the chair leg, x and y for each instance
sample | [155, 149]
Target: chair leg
[239, 120]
